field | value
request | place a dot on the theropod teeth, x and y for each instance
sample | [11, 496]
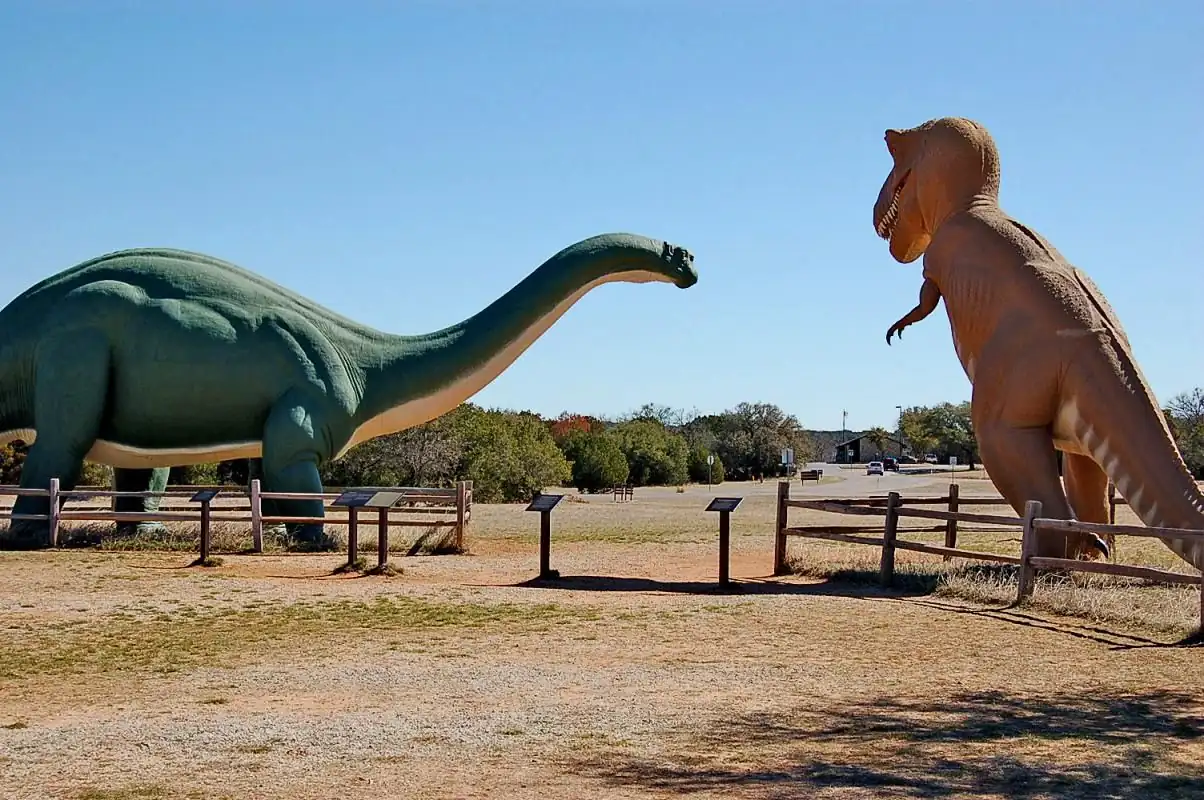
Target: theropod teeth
[886, 225]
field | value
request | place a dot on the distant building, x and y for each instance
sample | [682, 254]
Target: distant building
[861, 450]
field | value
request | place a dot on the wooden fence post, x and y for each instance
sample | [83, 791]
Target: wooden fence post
[462, 489]
[54, 512]
[951, 525]
[256, 517]
[886, 574]
[1028, 547]
[779, 537]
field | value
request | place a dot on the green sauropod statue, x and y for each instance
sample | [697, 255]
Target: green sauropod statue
[151, 358]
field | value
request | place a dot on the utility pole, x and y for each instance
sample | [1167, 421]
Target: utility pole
[844, 428]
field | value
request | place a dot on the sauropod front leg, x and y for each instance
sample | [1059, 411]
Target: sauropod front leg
[294, 444]
[70, 388]
[930, 295]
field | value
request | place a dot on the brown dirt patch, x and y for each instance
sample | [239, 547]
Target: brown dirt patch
[127, 675]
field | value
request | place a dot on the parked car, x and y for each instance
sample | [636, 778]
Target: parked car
[891, 464]
[930, 459]
[874, 468]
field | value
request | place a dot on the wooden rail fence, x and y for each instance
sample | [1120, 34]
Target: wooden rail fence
[418, 507]
[894, 506]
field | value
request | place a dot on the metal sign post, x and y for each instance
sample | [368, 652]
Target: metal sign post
[353, 500]
[382, 501]
[725, 506]
[204, 497]
[544, 503]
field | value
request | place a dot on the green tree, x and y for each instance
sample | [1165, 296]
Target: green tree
[945, 430]
[749, 439]
[700, 471]
[597, 461]
[878, 437]
[425, 455]
[206, 474]
[655, 455]
[507, 455]
[1185, 417]
[12, 457]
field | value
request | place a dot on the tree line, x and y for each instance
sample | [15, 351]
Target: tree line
[510, 455]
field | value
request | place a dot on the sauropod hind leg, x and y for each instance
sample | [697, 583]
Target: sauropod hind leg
[139, 480]
[70, 389]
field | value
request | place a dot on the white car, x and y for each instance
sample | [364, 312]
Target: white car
[874, 468]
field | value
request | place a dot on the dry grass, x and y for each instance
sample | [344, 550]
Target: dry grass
[128, 675]
[1134, 604]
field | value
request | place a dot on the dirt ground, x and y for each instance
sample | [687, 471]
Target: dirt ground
[131, 675]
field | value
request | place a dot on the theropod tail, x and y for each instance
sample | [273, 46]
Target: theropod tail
[1115, 417]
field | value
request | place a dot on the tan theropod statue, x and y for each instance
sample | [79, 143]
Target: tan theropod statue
[1050, 365]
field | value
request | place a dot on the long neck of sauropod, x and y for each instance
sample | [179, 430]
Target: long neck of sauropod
[415, 379]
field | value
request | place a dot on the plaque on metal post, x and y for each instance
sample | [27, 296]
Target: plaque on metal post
[724, 504]
[384, 499]
[353, 498]
[544, 502]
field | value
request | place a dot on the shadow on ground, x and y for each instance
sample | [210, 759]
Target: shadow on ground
[972, 745]
[747, 586]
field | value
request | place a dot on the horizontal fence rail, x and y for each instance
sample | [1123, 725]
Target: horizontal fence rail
[903, 508]
[894, 507]
[418, 507]
[1031, 563]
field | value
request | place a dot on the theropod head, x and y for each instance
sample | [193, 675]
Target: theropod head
[940, 167]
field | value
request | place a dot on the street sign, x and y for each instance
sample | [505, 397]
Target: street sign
[953, 461]
[787, 455]
[710, 458]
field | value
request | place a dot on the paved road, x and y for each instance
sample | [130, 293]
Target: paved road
[856, 483]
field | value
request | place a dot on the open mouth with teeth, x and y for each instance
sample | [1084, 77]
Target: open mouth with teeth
[886, 223]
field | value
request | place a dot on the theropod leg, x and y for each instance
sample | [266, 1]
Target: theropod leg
[1023, 465]
[1087, 490]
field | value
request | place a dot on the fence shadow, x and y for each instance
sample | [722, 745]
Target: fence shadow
[987, 744]
[745, 586]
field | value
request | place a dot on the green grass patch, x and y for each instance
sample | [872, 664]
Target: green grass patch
[189, 638]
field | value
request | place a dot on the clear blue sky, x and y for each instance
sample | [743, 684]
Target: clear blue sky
[406, 163]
